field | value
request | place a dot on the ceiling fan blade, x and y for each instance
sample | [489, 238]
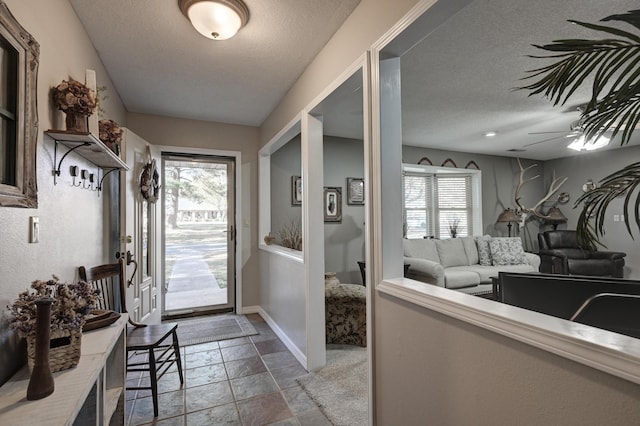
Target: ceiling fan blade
[546, 133]
[542, 141]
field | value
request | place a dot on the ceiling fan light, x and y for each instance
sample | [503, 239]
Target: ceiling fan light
[581, 144]
[215, 19]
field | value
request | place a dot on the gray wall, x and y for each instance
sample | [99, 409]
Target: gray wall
[285, 162]
[433, 369]
[344, 242]
[499, 179]
[595, 166]
[72, 226]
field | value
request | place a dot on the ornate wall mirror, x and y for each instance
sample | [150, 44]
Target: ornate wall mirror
[19, 53]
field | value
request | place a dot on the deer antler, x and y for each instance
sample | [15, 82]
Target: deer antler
[556, 183]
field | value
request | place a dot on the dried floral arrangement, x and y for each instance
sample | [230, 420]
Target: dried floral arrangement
[291, 235]
[72, 302]
[111, 134]
[74, 97]
[453, 227]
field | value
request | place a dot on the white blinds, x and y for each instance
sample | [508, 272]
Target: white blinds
[436, 203]
[418, 197]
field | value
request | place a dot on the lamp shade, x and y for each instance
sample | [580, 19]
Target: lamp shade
[554, 215]
[508, 215]
[215, 19]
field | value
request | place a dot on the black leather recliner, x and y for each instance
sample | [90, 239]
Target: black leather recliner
[560, 253]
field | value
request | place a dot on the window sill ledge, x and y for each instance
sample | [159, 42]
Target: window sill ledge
[295, 255]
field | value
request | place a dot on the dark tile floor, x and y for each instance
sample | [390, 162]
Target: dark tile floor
[244, 381]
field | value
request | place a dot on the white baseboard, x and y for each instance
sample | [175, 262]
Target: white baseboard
[297, 353]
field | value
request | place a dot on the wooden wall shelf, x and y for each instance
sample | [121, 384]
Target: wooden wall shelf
[88, 146]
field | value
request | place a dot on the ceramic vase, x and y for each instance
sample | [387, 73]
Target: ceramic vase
[41, 382]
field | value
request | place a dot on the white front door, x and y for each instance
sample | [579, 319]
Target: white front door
[139, 236]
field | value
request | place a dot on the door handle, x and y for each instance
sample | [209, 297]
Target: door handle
[128, 258]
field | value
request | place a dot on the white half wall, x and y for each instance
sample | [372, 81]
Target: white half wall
[283, 295]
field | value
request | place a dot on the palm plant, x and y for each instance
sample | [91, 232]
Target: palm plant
[613, 64]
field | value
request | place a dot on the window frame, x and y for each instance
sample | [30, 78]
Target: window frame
[476, 195]
[25, 191]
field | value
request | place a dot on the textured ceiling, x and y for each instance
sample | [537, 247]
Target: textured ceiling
[457, 84]
[161, 65]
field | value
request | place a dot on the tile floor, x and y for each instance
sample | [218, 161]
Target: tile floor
[244, 381]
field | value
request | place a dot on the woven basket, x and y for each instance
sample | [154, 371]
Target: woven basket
[64, 349]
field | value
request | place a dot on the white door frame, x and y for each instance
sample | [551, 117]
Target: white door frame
[238, 219]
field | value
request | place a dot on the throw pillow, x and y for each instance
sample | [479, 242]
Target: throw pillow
[507, 251]
[470, 249]
[484, 253]
[451, 252]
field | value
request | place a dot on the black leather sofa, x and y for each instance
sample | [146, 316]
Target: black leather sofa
[560, 253]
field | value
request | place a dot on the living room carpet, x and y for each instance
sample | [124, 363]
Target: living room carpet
[340, 388]
[213, 328]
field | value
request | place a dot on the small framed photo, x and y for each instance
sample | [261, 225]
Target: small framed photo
[332, 204]
[296, 191]
[355, 191]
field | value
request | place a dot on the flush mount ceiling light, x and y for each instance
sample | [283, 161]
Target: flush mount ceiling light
[215, 19]
[490, 134]
[581, 143]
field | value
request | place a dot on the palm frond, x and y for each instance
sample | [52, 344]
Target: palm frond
[603, 59]
[594, 203]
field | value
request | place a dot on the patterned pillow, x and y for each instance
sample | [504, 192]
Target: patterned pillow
[507, 251]
[484, 253]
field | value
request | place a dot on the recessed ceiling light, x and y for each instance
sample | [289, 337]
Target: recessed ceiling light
[516, 150]
[490, 134]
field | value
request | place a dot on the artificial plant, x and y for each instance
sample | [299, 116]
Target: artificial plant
[611, 65]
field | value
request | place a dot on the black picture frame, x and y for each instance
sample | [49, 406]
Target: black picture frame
[332, 204]
[355, 191]
[296, 191]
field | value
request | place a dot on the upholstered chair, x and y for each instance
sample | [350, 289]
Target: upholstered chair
[560, 253]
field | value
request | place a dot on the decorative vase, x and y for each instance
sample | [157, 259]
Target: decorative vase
[76, 122]
[330, 279]
[41, 382]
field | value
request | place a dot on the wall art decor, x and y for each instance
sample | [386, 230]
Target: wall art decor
[296, 191]
[355, 191]
[332, 204]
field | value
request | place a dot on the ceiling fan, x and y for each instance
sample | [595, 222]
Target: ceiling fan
[575, 132]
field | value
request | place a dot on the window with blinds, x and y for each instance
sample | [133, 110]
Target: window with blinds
[438, 205]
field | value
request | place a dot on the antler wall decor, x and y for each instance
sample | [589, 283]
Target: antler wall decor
[556, 183]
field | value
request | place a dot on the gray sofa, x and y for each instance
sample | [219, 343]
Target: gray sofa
[466, 264]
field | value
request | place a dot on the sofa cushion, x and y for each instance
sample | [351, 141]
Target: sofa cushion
[421, 248]
[488, 272]
[484, 253]
[507, 251]
[451, 252]
[470, 249]
[459, 277]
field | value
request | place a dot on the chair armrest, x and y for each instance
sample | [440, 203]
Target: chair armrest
[425, 270]
[611, 255]
[533, 260]
[553, 253]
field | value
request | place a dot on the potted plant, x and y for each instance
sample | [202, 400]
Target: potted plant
[110, 133]
[610, 65]
[71, 303]
[77, 101]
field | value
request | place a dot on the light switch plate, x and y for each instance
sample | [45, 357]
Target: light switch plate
[34, 229]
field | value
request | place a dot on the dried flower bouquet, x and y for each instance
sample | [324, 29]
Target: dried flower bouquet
[72, 301]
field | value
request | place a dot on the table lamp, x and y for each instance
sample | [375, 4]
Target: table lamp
[508, 215]
[555, 217]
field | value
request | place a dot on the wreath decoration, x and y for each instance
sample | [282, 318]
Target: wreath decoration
[149, 182]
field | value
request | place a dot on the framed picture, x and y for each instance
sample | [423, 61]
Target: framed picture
[296, 191]
[332, 204]
[355, 191]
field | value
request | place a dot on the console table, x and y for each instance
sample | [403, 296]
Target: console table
[91, 393]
